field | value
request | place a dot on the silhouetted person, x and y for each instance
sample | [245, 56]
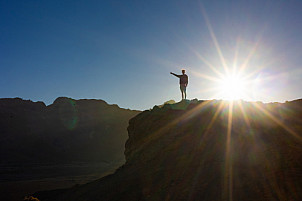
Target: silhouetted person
[183, 82]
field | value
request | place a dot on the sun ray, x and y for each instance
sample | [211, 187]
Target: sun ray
[251, 74]
[202, 91]
[217, 112]
[280, 123]
[210, 89]
[162, 130]
[245, 117]
[228, 177]
[208, 77]
[213, 36]
[204, 60]
[202, 141]
[258, 70]
[247, 60]
[236, 57]
[208, 64]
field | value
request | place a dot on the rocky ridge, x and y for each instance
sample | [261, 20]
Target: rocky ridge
[205, 150]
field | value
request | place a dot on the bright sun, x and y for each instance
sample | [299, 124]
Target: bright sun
[232, 87]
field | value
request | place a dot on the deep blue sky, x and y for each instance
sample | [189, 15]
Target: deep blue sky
[122, 51]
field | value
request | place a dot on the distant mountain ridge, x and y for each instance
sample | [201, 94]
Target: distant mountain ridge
[66, 131]
[205, 150]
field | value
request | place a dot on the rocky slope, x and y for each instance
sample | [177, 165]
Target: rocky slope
[66, 131]
[205, 150]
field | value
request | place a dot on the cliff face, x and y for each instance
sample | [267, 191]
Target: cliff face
[67, 130]
[205, 150]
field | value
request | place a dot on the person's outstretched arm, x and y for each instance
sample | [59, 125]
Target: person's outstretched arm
[174, 74]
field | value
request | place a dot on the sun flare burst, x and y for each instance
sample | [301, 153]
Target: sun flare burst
[239, 73]
[232, 87]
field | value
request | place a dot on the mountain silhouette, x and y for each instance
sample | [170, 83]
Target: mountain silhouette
[66, 131]
[205, 150]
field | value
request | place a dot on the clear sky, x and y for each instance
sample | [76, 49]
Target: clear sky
[123, 51]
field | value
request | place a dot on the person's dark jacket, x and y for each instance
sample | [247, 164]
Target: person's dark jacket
[183, 79]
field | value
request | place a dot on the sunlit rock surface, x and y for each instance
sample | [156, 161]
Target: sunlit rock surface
[207, 151]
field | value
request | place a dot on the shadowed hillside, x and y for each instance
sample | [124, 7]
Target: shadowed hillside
[55, 146]
[67, 130]
[205, 150]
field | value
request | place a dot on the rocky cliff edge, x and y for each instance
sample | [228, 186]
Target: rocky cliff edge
[205, 150]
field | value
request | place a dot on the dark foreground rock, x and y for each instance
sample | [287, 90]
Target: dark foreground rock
[207, 151]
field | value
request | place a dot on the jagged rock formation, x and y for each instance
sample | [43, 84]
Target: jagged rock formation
[66, 131]
[205, 150]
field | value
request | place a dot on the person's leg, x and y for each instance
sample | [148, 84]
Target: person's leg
[182, 92]
[185, 92]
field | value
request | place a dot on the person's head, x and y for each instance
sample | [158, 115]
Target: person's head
[183, 71]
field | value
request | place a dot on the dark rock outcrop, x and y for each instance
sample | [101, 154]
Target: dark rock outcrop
[205, 150]
[66, 131]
